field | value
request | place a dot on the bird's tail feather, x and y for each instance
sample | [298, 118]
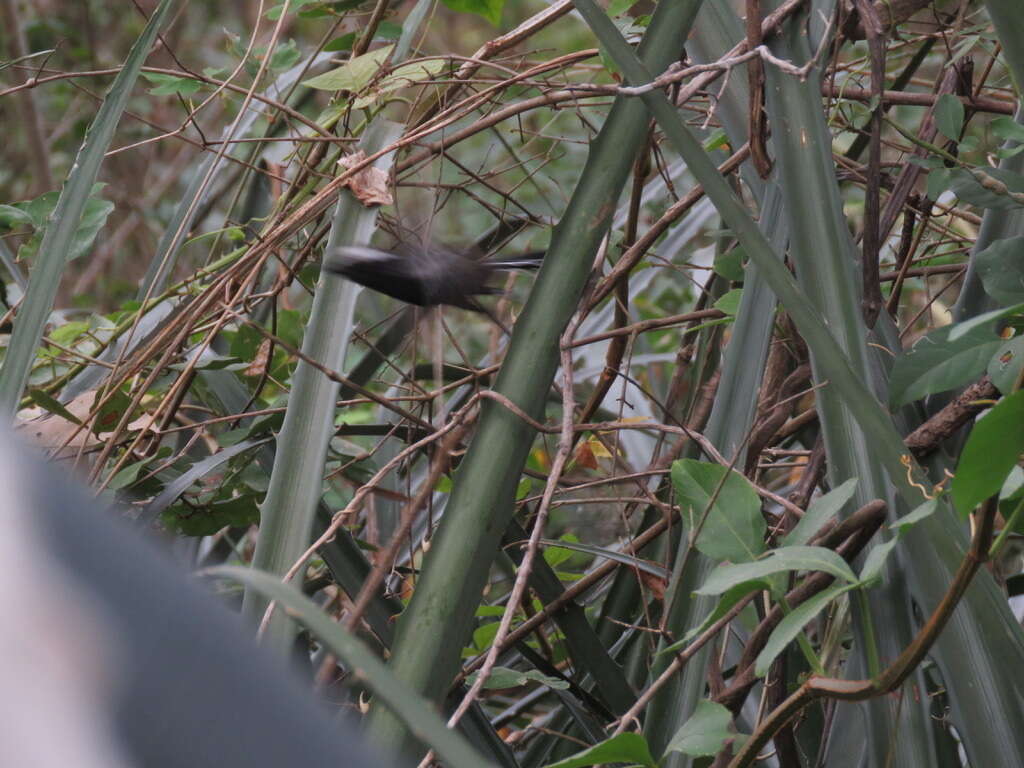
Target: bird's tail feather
[531, 260]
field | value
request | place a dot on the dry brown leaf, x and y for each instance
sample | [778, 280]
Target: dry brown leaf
[259, 362]
[370, 185]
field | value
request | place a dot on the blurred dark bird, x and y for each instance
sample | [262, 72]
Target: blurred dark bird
[425, 277]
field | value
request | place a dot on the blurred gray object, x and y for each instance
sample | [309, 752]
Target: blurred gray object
[111, 657]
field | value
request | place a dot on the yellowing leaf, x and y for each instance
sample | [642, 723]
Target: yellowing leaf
[354, 75]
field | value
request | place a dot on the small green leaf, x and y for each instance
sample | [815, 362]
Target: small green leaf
[874, 563]
[821, 510]
[734, 529]
[938, 182]
[68, 332]
[354, 75]
[992, 450]
[937, 363]
[949, 116]
[1001, 269]
[1007, 129]
[168, 85]
[1005, 366]
[624, 748]
[793, 623]
[489, 9]
[48, 403]
[619, 7]
[730, 302]
[920, 512]
[730, 265]
[716, 140]
[725, 577]
[343, 43]
[705, 732]
[275, 13]
[503, 677]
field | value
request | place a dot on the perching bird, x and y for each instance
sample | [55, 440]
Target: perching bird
[425, 277]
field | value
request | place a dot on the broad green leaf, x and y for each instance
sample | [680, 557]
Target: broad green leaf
[39, 210]
[353, 75]
[949, 116]
[1001, 268]
[489, 9]
[503, 677]
[401, 77]
[992, 450]
[1005, 366]
[793, 623]
[734, 529]
[624, 748]
[725, 577]
[705, 732]
[821, 510]
[936, 363]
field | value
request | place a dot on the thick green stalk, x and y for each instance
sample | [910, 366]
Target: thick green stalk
[437, 622]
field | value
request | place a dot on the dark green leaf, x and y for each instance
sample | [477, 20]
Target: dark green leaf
[793, 624]
[730, 265]
[1006, 128]
[1006, 364]
[988, 188]
[489, 9]
[734, 529]
[624, 748]
[1001, 268]
[503, 677]
[936, 363]
[619, 7]
[354, 75]
[48, 403]
[705, 732]
[992, 450]
[821, 510]
[949, 116]
[168, 85]
[724, 577]
[730, 302]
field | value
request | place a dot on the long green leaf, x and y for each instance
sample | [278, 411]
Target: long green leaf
[414, 711]
[296, 482]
